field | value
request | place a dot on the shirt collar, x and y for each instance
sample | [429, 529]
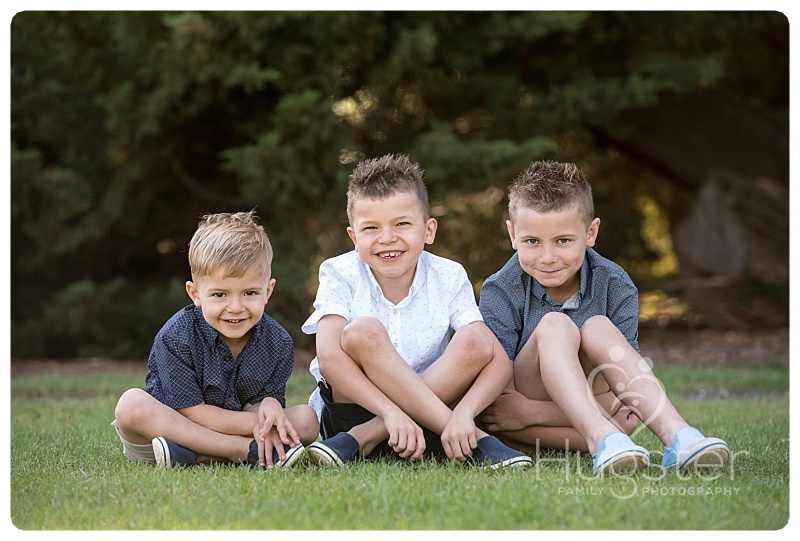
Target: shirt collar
[416, 285]
[540, 293]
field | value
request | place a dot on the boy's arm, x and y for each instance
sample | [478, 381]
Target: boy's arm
[342, 373]
[492, 380]
[502, 314]
[222, 420]
[623, 309]
[347, 379]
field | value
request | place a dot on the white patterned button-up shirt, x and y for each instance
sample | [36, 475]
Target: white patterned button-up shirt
[440, 300]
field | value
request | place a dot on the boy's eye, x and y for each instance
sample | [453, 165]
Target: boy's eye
[218, 294]
[250, 293]
[404, 223]
[532, 241]
[562, 241]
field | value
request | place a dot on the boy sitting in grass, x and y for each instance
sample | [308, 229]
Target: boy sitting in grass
[391, 379]
[217, 372]
[568, 317]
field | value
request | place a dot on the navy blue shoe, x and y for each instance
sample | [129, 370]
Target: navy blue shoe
[493, 454]
[170, 454]
[335, 451]
[292, 456]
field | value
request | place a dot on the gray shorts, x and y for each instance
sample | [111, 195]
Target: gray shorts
[136, 452]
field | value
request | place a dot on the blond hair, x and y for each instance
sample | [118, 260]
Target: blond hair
[546, 186]
[379, 178]
[232, 243]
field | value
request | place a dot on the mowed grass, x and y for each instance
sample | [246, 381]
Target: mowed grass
[68, 472]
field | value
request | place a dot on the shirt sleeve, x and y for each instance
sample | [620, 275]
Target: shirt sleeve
[502, 315]
[623, 308]
[463, 308]
[171, 378]
[334, 296]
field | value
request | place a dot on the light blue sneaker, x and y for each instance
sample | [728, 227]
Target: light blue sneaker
[691, 449]
[618, 453]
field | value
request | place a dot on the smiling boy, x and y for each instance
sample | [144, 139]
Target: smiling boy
[215, 387]
[391, 380]
[568, 318]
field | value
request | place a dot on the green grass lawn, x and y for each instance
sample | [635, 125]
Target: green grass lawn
[68, 473]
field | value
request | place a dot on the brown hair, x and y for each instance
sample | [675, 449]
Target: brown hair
[379, 178]
[545, 186]
[232, 243]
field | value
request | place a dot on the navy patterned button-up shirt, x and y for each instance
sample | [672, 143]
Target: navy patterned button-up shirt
[191, 364]
[512, 302]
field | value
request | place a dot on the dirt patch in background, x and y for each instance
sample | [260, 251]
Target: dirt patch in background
[665, 347]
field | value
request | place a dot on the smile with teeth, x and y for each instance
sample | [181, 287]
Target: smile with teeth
[389, 255]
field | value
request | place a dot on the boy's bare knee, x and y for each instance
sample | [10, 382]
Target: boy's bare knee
[556, 324]
[131, 405]
[474, 339]
[362, 330]
[306, 423]
[596, 325]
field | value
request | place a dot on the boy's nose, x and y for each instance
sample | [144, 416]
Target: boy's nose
[386, 236]
[548, 255]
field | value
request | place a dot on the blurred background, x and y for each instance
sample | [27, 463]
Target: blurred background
[127, 127]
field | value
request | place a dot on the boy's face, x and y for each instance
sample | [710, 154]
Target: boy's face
[232, 305]
[389, 235]
[551, 247]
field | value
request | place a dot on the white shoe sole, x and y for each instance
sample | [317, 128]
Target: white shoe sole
[516, 462]
[628, 461]
[323, 454]
[161, 450]
[292, 456]
[709, 452]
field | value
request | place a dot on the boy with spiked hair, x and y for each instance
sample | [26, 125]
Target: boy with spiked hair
[393, 377]
[568, 318]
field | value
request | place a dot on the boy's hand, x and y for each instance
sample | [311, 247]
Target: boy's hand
[405, 436]
[273, 430]
[506, 413]
[271, 440]
[459, 437]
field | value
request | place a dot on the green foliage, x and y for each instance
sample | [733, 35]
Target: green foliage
[126, 127]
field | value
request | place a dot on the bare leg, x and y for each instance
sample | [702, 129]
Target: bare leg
[140, 418]
[630, 377]
[548, 368]
[304, 421]
[423, 398]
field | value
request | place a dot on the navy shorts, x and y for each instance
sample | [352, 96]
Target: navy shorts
[342, 416]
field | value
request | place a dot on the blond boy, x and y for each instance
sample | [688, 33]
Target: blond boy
[215, 387]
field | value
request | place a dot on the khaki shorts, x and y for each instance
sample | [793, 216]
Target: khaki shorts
[135, 452]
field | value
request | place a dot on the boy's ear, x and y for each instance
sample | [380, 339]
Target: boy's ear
[193, 293]
[352, 234]
[270, 289]
[430, 230]
[511, 234]
[594, 228]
